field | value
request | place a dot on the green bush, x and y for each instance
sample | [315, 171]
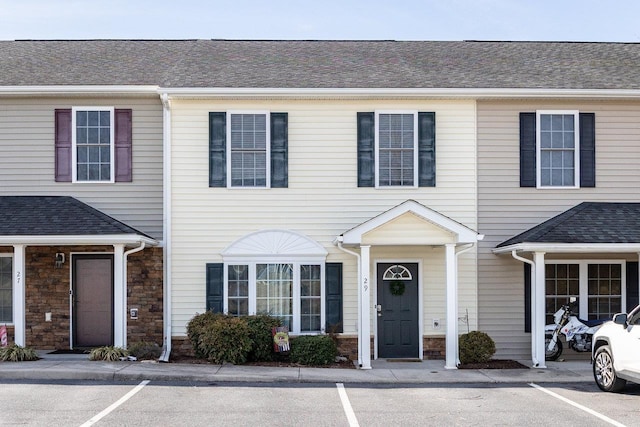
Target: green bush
[476, 347]
[196, 327]
[313, 350]
[145, 350]
[108, 353]
[226, 340]
[260, 327]
[16, 353]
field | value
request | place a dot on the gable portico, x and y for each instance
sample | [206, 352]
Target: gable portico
[407, 225]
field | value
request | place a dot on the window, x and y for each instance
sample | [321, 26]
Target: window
[6, 289]
[558, 148]
[598, 288]
[93, 144]
[290, 291]
[248, 149]
[396, 146]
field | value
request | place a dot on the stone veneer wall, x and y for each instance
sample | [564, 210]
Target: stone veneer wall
[47, 291]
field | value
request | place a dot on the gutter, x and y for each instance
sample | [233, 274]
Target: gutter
[534, 328]
[166, 220]
[338, 243]
[79, 90]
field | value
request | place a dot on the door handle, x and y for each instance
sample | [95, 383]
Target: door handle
[379, 310]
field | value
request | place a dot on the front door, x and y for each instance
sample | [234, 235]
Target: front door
[92, 300]
[397, 310]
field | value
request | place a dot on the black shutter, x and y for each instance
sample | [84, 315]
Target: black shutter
[632, 286]
[333, 296]
[279, 150]
[527, 149]
[587, 150]
[527, 297]
[217, 149]
[366, 150]
[426, 149]
[215, 286]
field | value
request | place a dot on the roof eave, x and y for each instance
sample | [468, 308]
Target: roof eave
[445, 93]
[35, 240]
[566, 248]
[79, 90]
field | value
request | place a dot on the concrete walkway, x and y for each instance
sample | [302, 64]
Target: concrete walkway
[78, 367]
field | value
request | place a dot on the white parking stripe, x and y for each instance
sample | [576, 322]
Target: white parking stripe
[120, 401]
[577, 405]
[346, 405]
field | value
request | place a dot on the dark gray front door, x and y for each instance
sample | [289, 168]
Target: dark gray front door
[398, 313]
[92, 300]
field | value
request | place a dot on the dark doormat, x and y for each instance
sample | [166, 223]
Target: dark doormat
[72, 351]
[405, 360]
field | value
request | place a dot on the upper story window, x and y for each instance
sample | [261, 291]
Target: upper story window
[397, 149]
[248, 144]
[248, 149]
[93, 144]
[558, 149]
[6, 289]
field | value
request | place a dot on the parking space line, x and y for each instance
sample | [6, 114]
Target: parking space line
[346, 405]
[120, 401]
[577, 405]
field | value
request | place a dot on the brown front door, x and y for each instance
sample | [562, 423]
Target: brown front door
[92, 300]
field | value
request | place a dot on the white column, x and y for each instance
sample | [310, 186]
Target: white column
[19, 295]
[451, 358]
[365, 315]
[538, 311]
[119, 298]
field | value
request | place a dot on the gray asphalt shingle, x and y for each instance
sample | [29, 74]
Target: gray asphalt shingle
[56, 216]
[588, 222]
[321, 64]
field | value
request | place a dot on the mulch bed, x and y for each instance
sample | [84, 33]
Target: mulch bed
[494, 364]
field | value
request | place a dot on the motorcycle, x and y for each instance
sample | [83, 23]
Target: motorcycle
[578, 332]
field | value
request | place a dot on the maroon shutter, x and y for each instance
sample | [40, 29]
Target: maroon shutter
[63, 145]
[123, 145]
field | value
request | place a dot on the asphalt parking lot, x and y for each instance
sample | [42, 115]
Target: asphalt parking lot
[104, 403]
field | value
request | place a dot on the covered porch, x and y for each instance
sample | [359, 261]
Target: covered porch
[406, 256]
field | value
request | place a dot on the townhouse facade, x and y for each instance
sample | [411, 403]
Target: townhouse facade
[393, 193]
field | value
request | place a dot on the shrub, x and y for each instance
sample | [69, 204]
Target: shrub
[196, 327]
[260, 327]
[476, 347]
[145, 350]
[108, 353]
[313, 350]
[16, 353]
[226, 340]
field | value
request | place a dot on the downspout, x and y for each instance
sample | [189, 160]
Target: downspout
[534, 329]
[125, 283]
[166, 220]
[338, 243]
[454, 334]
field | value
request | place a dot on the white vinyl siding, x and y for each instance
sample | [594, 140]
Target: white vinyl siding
[322, 199]
[505, 209]
[27, 158]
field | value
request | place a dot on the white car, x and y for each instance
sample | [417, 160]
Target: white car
[616, 352]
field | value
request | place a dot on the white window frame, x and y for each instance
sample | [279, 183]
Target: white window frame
[267, 115]
[13, 289]
[112, 148]
[296, 262]
[576, 153]
[584, 280]
[415, 149]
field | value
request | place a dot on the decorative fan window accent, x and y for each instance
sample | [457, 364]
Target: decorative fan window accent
[397, 272]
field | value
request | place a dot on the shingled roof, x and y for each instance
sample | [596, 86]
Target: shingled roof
[588, 222]
[321, 64]
[56, 216]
